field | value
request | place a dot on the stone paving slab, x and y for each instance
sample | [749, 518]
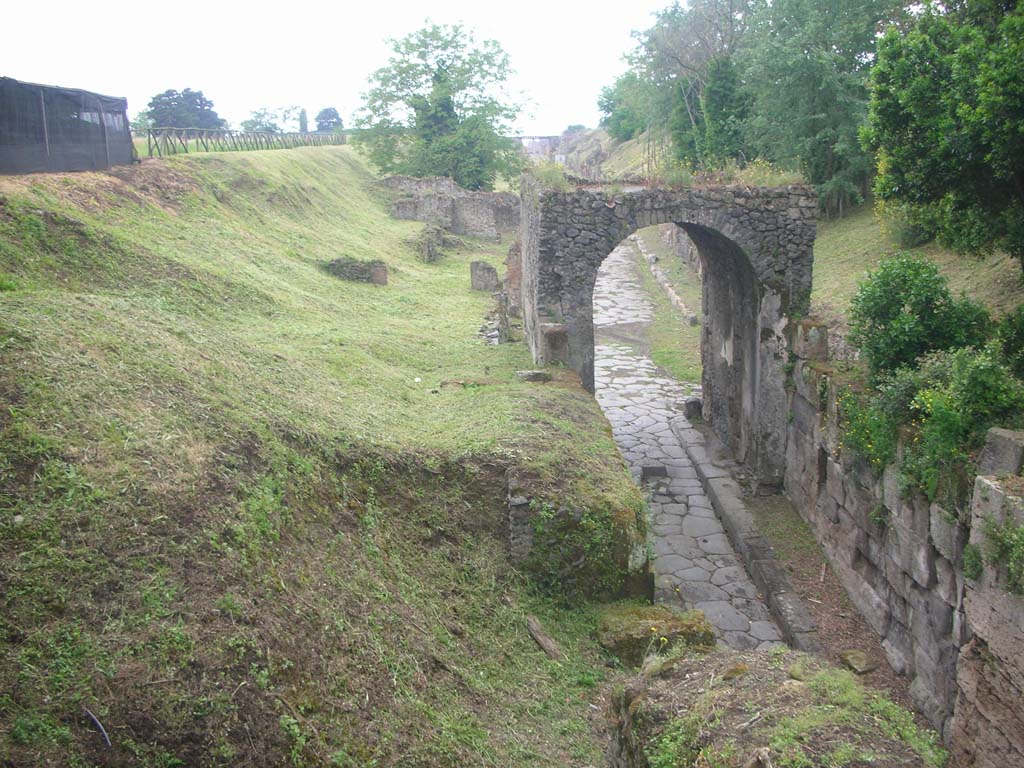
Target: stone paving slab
[694, 565]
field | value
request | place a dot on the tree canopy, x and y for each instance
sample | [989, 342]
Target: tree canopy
[328, 120]
[438, 108]
[947, 124]
[185, 109]
[738, 80]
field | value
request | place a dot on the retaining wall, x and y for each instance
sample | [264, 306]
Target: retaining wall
[901, 560]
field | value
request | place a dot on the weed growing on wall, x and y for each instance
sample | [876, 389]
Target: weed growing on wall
[1005, 547]
[576, 551]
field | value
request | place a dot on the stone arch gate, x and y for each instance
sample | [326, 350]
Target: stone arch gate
[756, 248]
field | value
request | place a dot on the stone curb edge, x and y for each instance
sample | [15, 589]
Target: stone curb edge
[784, 604]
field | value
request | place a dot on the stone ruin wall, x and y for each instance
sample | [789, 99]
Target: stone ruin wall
[901, 560]
[756, 248]
[439, 200]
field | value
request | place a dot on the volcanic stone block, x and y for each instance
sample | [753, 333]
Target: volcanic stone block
[483, 277]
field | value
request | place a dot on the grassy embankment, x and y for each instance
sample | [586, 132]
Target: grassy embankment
[846, 248]
[251, 514]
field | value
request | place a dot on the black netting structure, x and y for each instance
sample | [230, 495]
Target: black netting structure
[44, 128]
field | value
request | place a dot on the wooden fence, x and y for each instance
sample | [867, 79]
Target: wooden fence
[161, 142]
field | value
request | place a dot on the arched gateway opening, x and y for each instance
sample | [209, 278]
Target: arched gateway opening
[756, 248]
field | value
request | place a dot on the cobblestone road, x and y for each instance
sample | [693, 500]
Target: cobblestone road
[695, 566]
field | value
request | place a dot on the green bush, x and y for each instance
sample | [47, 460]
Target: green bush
[1011, 340]
[552, 176]
[948, 402]
[961, 394]
[868, 431]
[1004, 545]
[904, 310]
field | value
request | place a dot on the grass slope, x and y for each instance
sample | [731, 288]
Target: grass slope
[251, 514]
[847, 248]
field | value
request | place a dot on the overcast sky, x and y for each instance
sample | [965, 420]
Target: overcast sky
[246, 55]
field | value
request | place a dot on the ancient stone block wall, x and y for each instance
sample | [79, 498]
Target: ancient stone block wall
[988, 725]
[755, 247]
[901, 560]
[439, 200]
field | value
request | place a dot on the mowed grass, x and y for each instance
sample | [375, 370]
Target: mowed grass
[251, 514]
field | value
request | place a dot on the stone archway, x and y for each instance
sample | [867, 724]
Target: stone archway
[756, 248]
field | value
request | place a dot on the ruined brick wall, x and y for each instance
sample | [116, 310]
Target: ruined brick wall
[439, 200]
[900, 559]
[756, 248]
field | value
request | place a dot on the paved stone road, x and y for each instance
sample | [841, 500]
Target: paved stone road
[694, 565]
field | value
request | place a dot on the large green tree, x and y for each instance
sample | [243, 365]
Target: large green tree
[947, 123]
[807, 65]
[184, 109]
[439, 109]
[328, 120]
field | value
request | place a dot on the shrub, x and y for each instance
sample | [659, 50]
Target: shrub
[868, 431]
[1011, 340]
[1005, 547]
[552, 176]
[967, 392]
[904, 310]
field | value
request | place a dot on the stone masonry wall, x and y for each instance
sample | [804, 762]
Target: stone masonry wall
[439, 200]
[988, 726]
[755, 246]
[898, 557]
[901, 561]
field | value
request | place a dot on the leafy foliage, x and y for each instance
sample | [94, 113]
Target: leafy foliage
[185, 109]
[1011, 339]
[436, 109]
[328, 120]
[935, 372]
[629, 107]
[742, 80]
[807, 64]
[905, 310]
[945, 119]
[1005, 546]
[265, 120]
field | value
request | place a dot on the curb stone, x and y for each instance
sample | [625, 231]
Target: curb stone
[716, 476]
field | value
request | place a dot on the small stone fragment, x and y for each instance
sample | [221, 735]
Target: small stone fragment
[693, 408]
[858, 661]
[534, 376]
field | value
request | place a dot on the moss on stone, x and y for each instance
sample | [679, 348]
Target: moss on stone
[630, 630]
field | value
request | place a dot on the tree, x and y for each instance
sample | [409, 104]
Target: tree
[263, 121]
[945, 120]
[273, 120]
[303, 121]
[807, 65]
[328, 120]
[438, 108]
[187, 109]
[625, 107]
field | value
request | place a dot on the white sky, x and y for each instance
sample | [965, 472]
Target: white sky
[246, 55]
